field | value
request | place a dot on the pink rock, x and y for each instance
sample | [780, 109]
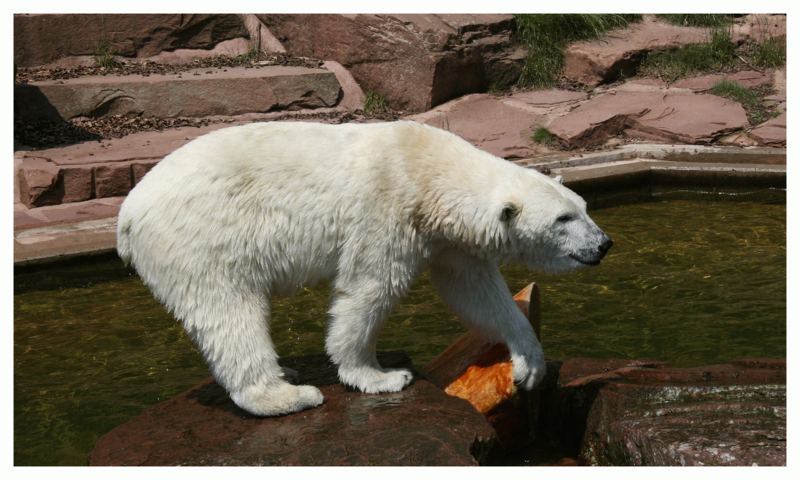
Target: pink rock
[747, 78]
[41, 39]
[592, 62]
[488, 123]
[672, 115]
[352, 95]
[112, 180]
[78, 212]
[772, 132]
[415, 61]
[77, 182]
[140, 169]
[136, 146]
[37, 179]
[188, 94]
[759, 26]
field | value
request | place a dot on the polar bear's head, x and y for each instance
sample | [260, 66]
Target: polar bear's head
[546, 226]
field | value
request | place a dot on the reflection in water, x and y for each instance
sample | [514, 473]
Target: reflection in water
[688, 282]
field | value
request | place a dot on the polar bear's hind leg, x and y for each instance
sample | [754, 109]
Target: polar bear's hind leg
[236, 344]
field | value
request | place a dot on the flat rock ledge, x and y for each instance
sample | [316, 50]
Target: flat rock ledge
[418, 426]
[195, 93]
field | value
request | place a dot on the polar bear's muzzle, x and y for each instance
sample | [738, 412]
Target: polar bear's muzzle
[593, 257]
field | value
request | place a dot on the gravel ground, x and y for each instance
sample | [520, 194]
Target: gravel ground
[25, 75]
[49, 134]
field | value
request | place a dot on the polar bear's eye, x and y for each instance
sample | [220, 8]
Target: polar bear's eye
[565, 218]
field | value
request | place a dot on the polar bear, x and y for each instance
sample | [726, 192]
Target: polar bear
[244, 213]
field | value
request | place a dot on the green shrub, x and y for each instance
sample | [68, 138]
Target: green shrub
[104, 56]
[751, 100]
[769, 53]
[719, 53]
[543, 136]
[697, 19]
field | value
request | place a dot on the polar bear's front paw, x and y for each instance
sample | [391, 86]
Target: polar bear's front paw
[373, 380]
[277, 398]
[529, 370]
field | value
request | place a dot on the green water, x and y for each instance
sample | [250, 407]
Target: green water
[690, 282]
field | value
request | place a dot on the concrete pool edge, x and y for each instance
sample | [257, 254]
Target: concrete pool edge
[626, 166]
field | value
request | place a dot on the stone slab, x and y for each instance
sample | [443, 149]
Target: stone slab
[772, 132]
[502, 125]
[675, 115]
[194, 93]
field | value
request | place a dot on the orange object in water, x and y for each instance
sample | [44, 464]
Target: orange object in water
[480, 372]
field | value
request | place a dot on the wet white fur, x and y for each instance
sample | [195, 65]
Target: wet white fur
[244, 213]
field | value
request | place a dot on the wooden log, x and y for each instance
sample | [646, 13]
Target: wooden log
[479, 371]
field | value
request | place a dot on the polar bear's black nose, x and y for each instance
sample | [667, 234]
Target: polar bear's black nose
[605, 246]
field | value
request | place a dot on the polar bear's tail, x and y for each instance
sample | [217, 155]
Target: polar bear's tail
[124, 235]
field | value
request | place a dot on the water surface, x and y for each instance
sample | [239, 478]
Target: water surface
[688, 281]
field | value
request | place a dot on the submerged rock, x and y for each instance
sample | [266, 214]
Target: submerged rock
[418, 426]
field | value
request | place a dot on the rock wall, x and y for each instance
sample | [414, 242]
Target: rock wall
[42, 39]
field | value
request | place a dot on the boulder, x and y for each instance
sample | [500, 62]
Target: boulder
[41, 39]
[414, 61]
[732, 414]
[195, 93]
[669, 115]
[772, 132]
[592, 62]
[418, 426]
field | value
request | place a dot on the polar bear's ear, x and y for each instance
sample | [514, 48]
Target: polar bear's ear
[510, 210]
[559, 179]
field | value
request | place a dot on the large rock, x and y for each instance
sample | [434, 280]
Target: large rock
[592, 62]
[502, 125]
[41, 39]
[733, 414]
[418, 426]
[415, 61]
[195, 93]
[670, 115]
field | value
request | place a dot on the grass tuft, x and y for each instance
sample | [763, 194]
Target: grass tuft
[545, 36]
[543, 136]
[697, 19]
[751, 100]
[769, 53]
[719, 53]
[374, 102]
[104, 56]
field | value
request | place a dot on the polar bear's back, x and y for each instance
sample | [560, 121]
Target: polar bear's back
[276, 197]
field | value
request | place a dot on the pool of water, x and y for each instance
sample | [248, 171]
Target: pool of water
[692, 279]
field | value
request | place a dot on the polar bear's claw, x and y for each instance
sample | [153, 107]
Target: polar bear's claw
[372, 380]
[528, 371]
